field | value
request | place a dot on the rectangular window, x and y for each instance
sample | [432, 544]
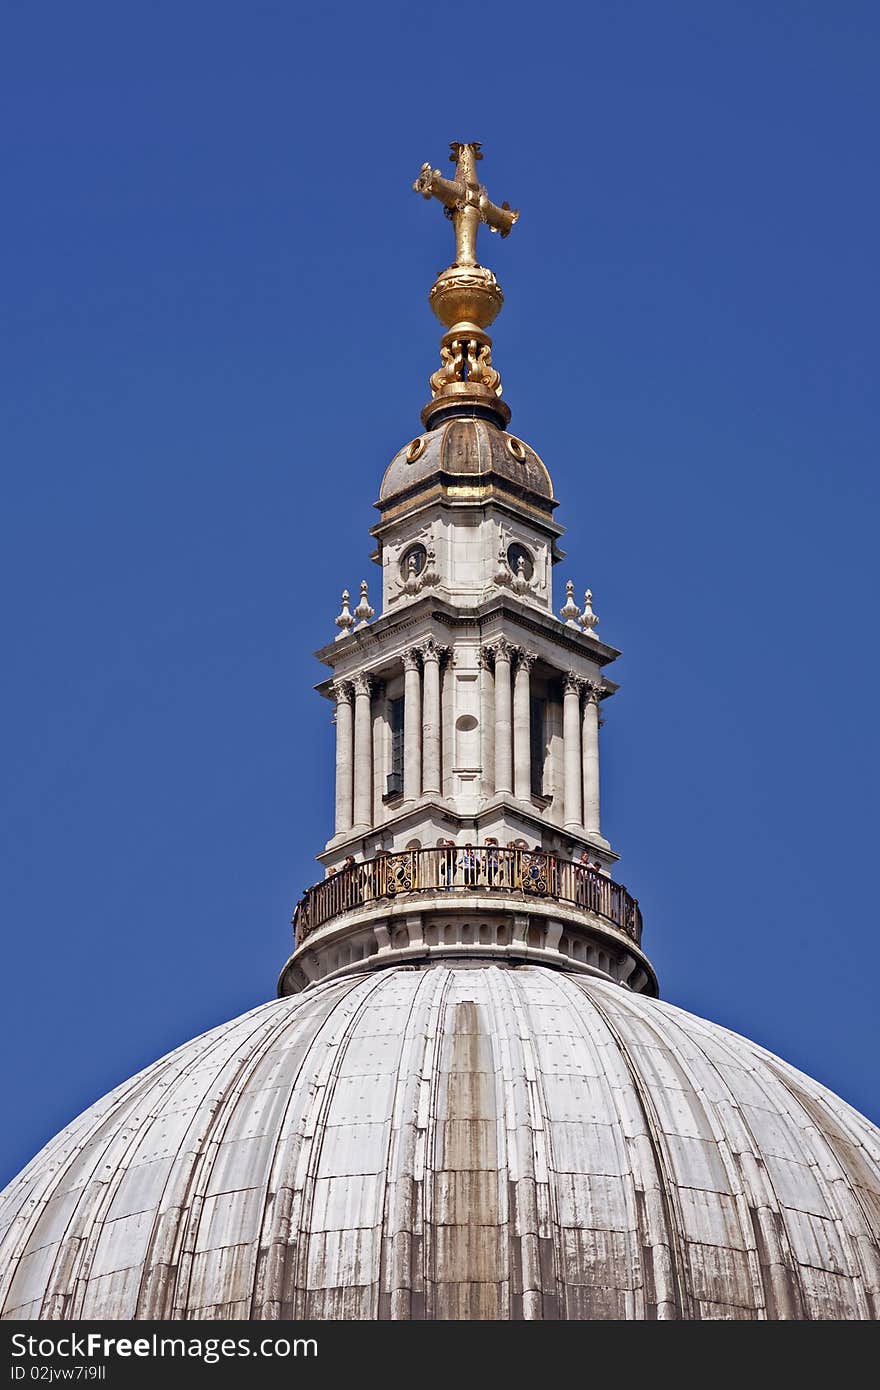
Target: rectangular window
[537, 721]
[395, 720]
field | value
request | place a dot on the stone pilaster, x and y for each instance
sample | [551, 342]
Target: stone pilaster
[432, 654]
[522, 742]
[487, 722]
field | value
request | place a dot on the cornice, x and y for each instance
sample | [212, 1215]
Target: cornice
[503, 504]
[547, 625]
[458, 489]
[413, 813]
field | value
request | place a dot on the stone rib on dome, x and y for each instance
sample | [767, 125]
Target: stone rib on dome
[467, 448]
[454, 1142]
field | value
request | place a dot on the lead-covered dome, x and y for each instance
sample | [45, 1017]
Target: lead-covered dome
[466, 448]
[481, 1142]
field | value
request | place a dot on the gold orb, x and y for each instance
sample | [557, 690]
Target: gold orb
[466, 295]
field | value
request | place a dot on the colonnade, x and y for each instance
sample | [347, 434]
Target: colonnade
[512, 734]
[421, 736]
[505, 714]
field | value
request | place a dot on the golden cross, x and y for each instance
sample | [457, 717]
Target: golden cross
[465, 201]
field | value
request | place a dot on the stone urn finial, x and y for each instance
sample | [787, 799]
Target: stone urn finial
[345, 621]
[363, 612]
[588, 618]
[569, 610]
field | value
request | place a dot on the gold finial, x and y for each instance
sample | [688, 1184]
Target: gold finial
[466, 297]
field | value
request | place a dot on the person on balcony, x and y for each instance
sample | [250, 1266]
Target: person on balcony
[513, 867]
[582, 880]
[369, 879]
[447, 863]
[351, 896]
[492, 862]
[466, 865]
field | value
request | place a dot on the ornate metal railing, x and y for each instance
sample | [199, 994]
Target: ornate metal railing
[460, 870]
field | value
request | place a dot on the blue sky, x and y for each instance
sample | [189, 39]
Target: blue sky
[214, 279]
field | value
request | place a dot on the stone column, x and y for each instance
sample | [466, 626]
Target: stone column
[591, 758]
[522, 730]
[412, 726]
[573, 768]
[502, 652]
[363, 752]
[379, 709]
[487, 722]
[432, 654]
[344, 756]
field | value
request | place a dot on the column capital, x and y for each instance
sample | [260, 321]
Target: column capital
[572, 684]
[525, 659]
[342, 692]
[430, 650]
[363, 684]
[498, 650]
[410, 659]
[594, 692]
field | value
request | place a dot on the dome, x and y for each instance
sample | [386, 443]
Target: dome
[469, 448]
[454, 1142]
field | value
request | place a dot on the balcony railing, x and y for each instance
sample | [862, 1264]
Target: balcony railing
[460, 871]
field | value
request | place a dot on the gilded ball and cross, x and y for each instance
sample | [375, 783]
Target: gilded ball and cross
[466, 297]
